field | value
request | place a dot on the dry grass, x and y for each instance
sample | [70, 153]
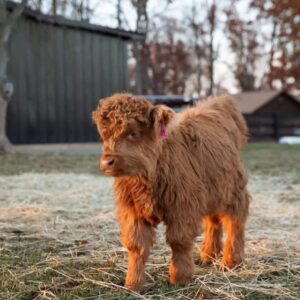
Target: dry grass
[59, 238]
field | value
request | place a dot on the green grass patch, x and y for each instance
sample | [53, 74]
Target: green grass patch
[12, 164]
[272, 159]
[267, 158]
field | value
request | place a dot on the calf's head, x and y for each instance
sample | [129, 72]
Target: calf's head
[132, 130]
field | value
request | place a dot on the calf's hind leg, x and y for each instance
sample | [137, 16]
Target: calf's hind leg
[234, 224]
[212, 243]
[234, 246]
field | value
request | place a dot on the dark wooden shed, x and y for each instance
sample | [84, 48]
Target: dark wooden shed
[60, 69]
[270, 114]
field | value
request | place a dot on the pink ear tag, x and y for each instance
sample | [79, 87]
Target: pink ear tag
[163, 132]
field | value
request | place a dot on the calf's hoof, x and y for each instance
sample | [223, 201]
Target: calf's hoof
[181, 280]
[205, 259]
[135, 286]
[180, 277]
[231, 263]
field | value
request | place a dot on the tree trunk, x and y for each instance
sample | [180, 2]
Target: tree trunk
[138, 71]
[212, 25]
[6, 88]
[272, 51]
[4, 141]
[141, 63]
[119, 20]
[211, 67]
[54, 7]
[199, 77]
[5, 145]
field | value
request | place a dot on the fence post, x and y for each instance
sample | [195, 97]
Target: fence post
[276, 126]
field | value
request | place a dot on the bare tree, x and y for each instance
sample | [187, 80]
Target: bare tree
[202, 23]
[139, 49]
[119, 12]
[142, 22]
[272, 51]
[244, 45]
[7, 21]
[74, 9]
[54, 7]
[80, 9]
[198, 46]
[165, 58]
[211, 18]
[284, 62]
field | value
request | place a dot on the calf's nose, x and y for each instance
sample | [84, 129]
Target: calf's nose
[106, 162]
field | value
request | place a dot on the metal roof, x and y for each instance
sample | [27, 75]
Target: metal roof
[82, 25]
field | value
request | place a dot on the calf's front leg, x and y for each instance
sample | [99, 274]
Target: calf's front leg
[182, 264]
[138, 237]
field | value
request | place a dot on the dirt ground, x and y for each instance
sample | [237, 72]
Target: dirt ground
[60, 239]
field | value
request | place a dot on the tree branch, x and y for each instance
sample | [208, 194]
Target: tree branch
[11, 20]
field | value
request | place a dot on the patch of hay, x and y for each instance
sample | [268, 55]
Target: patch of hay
[60, 240]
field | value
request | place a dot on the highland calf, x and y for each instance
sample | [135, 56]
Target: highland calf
[182, 169]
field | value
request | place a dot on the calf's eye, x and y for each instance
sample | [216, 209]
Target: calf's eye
[132, 136]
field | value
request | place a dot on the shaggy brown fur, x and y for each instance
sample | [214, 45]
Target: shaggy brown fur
[182, 169]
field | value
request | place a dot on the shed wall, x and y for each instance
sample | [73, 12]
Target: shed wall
[59, 74]
[280, 104]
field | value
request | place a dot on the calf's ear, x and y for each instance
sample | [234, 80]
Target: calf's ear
[96, 114]
[160, 116]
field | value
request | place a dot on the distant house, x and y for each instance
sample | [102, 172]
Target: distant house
[267, 102]
[60, 69]
[270, 114]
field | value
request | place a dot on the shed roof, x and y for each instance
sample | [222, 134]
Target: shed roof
[249, 102]
[82, 25]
